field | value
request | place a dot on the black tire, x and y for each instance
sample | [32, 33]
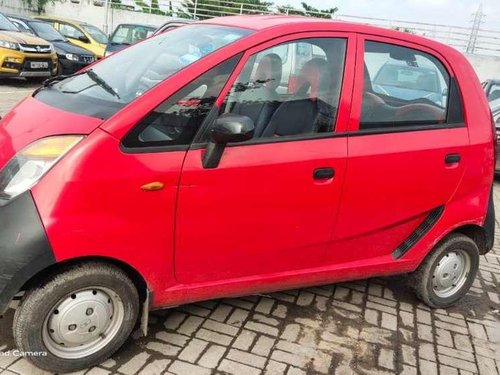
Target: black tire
[422, 279]
[40, 301]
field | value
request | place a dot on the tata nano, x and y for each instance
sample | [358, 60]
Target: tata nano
[234, 156]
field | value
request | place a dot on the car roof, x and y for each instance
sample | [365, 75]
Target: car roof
[62, 19]
[262, 23]
[24, 19]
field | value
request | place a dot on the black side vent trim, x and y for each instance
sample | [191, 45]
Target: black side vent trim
[421, 231]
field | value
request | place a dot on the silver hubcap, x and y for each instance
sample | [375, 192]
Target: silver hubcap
[451, 273]
[83, 323]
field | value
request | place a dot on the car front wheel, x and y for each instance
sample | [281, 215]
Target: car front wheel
[78, 318]
[447, 273]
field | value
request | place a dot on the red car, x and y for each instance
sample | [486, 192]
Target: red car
[234, 156]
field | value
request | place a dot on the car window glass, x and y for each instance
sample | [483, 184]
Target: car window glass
[96, 33]
[21, 26]
[402, 87]
[70, 31]
[176, 121]
[290, 89]
[46, 31]
[6, 25]
[494, 92]
[128, 34]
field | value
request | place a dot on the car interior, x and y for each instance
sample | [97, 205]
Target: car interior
[290, 95]
[383, 110]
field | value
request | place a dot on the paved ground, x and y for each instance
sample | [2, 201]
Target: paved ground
[13, 90]
[367, 327]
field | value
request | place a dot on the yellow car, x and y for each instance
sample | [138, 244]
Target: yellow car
[80, 33]
[24, 55]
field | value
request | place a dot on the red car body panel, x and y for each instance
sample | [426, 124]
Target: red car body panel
[246, 226]
[31, 120]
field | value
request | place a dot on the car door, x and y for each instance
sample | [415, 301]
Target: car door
[407, 150]
[270, 205]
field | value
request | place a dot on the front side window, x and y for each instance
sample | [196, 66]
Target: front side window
[402, 87]
[70, 31]
[119, 79]
[291, 89]
[176, 121]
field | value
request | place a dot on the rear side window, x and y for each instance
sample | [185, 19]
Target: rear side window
[176, 121]
[403, 87]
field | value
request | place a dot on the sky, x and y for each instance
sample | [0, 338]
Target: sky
[447, 12]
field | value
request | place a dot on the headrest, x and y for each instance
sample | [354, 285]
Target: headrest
[269, 71]
[312, 78]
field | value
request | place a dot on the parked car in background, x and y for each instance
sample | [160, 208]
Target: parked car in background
[186, 168]
[492, 89]
[171, 24]
[71, 57]
[80, 33]
[409, 80]
[495, 110]
[126, 34]
[24, 55]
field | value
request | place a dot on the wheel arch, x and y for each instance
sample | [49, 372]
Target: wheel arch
[136, 277]
[477, 234]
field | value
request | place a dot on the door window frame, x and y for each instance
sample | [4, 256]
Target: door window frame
[346, 89]
[357, 98]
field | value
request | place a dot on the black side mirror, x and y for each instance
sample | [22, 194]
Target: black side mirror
[228, 128]
[84, 39]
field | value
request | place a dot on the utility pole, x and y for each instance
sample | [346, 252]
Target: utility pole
[476, 25]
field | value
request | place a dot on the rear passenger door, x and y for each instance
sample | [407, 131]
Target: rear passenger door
[407, 145]
[270, 205]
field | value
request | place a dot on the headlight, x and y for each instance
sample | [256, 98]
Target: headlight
[9, 45]
[28, 166]
[72, 57]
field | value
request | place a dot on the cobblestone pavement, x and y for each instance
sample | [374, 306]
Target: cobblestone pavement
[366, 327]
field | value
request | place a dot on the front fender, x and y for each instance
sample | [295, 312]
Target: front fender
[24, 247]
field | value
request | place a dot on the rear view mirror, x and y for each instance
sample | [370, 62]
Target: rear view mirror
[402, 54]
[228, 128]
[232, 128]
[84, 39]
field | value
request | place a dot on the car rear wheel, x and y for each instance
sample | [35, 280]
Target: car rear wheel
[78, 318]
[447, 273]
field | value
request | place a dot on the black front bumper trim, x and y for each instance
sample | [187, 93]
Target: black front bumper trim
[24, 247]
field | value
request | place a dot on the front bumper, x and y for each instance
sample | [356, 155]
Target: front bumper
[24, 247]
[19, 64]
[71, 66]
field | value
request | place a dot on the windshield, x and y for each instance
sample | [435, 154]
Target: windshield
[129, 34]
[46, 31]
[122, 77]
[96, 34]
[6, 25]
